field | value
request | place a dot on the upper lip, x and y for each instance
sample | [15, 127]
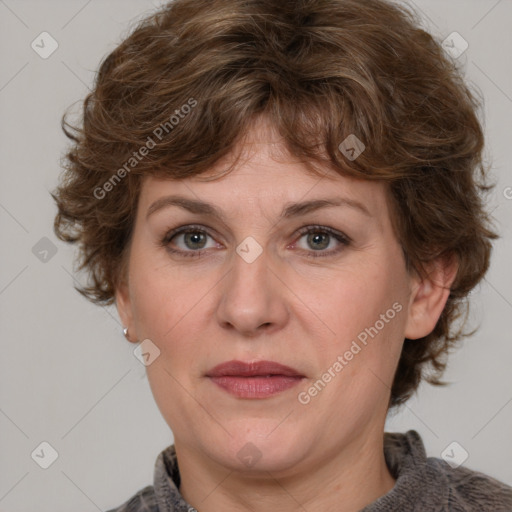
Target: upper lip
[252, 369]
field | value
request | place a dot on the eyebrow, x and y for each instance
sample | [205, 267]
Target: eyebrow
[289, 211]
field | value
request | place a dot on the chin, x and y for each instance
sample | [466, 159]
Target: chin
[253, 450]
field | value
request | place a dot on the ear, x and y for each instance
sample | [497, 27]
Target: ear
[429, 295]
[124, 309]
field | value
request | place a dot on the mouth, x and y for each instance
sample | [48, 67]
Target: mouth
[260, 379]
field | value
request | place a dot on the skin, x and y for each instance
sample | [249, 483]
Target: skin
[286, 307]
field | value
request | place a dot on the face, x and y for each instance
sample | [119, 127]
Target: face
[321, 290]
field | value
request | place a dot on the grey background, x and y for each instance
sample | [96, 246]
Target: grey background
[67, 375]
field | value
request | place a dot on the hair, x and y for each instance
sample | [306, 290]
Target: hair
[178, 93]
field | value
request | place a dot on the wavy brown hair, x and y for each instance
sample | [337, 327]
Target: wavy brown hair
[193, 76]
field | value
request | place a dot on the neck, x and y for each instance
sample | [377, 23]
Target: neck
[346, 481]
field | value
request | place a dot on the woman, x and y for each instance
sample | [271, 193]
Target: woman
[284, 201]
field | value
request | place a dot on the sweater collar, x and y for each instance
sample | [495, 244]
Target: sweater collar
[407, 462]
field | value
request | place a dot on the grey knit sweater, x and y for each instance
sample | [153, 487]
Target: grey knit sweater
[422, 484]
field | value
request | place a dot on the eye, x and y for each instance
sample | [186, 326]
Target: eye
[193, 241]
[320, 237]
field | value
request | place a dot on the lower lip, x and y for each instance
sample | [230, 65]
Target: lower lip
[256, 387]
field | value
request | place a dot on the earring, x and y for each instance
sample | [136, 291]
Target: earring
[125, 332]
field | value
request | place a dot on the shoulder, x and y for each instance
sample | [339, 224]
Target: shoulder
[164, 494]
[144, 501]
[433, 484]
[469, 490]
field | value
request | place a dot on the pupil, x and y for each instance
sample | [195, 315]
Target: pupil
[314, 238]
[194, 237]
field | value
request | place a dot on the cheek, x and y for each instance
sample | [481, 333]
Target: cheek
[152, 306]
[356, 372]
[365, 312]
[171, 309]
[161, 298]
[350, 300]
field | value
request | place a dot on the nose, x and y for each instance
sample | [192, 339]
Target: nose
[253, 297]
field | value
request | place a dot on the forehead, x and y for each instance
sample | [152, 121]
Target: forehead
[261, 171]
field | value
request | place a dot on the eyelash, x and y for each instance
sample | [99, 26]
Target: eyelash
[343, 239]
